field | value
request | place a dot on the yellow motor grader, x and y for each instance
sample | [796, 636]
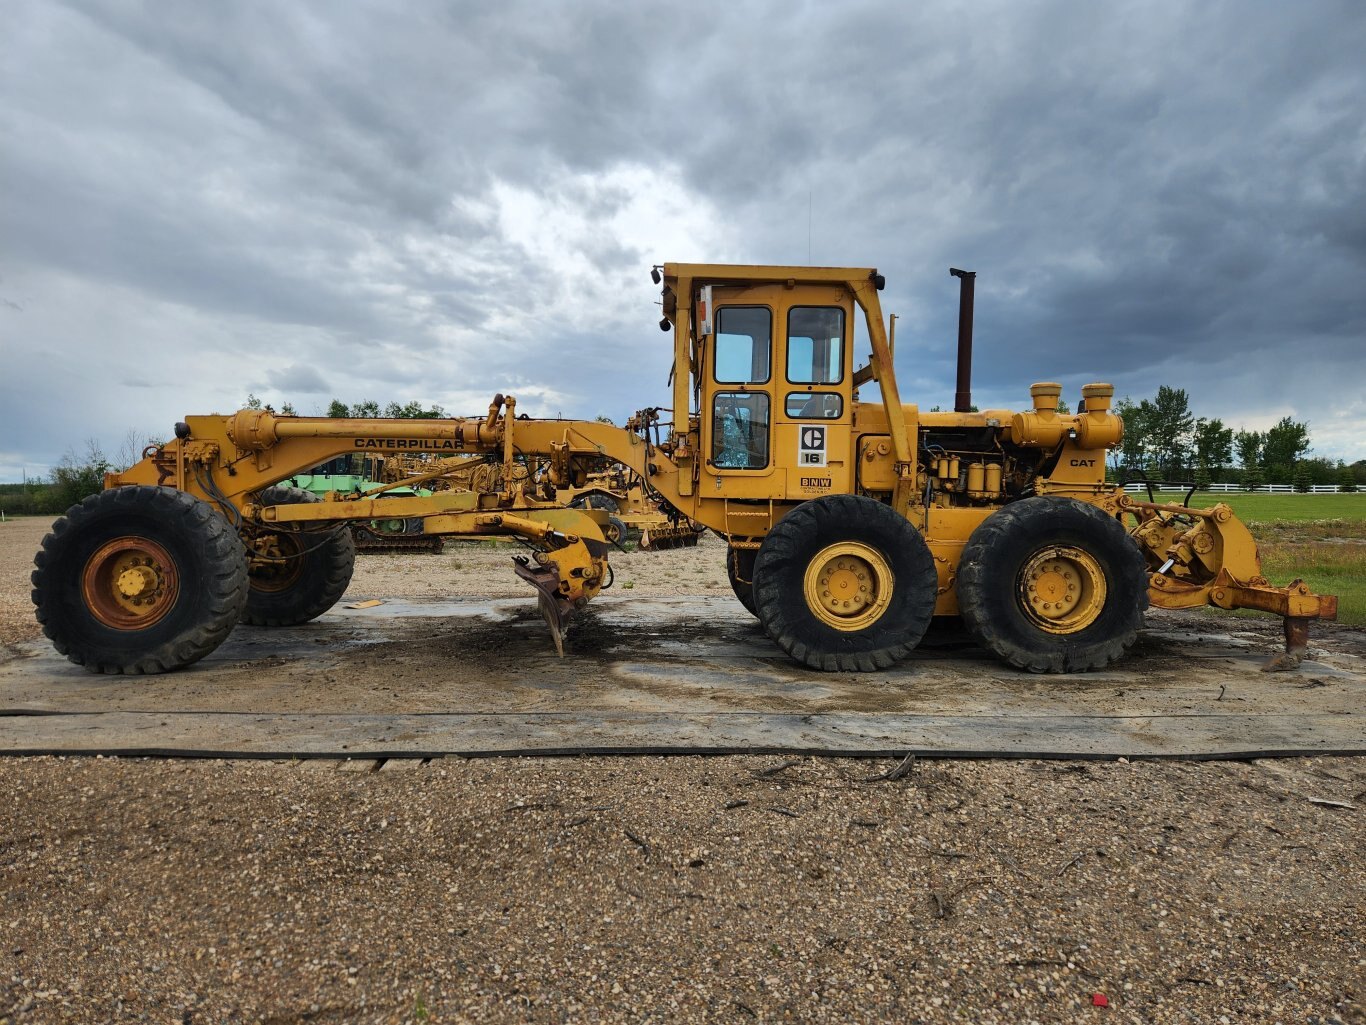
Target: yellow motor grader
[850, 523]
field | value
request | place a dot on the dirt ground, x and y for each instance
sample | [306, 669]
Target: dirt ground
[685, 889]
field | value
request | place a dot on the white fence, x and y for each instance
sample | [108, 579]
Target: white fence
[1273, 489]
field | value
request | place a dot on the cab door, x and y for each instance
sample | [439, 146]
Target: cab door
[737, 394]
[776, 392]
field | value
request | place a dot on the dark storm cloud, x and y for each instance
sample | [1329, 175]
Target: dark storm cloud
[455, 199]
[1138, 187]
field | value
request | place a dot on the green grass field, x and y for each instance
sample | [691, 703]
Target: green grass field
[1319, 538]
[1264, 508]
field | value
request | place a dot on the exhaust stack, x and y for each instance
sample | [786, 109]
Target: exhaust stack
[967, 279]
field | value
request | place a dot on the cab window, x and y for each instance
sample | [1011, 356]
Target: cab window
[815, 345]
[739, 437]
[807, 405]
[743, 344]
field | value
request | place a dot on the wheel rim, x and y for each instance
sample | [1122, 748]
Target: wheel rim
[130, 583]
[848, 586]
[612, 532]
[276, 564]
[1062, 589]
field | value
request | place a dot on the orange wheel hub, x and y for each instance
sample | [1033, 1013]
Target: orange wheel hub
[130, 583]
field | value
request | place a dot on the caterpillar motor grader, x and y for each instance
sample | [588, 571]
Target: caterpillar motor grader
[850, 523]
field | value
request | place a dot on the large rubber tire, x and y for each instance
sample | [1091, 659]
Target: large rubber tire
[994, 594]
[315, 580]
[193, 587]
[596, 500]
[616, 531]
[798, 550]
[740, 571]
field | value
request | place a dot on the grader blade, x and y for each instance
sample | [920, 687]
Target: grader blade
[555, 610]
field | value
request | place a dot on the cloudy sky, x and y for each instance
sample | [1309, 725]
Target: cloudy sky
[437, 201]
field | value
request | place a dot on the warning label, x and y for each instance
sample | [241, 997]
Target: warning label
[811, 447]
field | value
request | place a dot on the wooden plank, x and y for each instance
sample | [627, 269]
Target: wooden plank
[359, 765]
[368, 738]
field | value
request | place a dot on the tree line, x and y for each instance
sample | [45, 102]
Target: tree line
[1165, 441]
[367, 410]
[76, 475]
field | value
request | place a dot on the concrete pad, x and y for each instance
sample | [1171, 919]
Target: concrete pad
[396, 764]
[686, 674]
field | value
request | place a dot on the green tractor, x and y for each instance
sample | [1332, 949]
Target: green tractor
[356, 475]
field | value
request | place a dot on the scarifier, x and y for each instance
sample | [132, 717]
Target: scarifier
[849, 523]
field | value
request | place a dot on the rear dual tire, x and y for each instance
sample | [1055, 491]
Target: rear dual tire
[312, 576]
[1052, 585]
[596, 500]
[615, 531]
[740, 572]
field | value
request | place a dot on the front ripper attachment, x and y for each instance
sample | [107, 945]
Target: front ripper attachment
[569, 567]
[556, 610]
[1208, 557]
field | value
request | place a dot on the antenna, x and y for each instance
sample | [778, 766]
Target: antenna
[808, 227]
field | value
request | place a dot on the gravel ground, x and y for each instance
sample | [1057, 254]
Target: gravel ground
[19, 540]
[670, 890]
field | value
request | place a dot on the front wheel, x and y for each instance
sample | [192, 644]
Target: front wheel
[1052, 585]
[296, 574]
[139, 579]
[845, 583]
